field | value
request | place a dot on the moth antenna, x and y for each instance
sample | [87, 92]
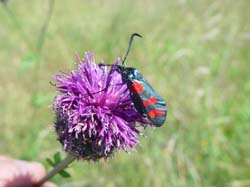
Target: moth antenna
[129, 45]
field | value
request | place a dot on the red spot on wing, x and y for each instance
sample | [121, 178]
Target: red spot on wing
[154, 113]
[150, 101]
[137, 87]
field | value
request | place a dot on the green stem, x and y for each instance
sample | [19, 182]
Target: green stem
[62, 165]
[18, 26]
[41, 38]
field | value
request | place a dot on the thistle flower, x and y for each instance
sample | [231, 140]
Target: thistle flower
[93, 122]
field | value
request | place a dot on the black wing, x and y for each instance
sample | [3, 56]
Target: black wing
[147, 101]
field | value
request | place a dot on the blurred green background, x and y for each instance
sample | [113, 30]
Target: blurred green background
[196, 54]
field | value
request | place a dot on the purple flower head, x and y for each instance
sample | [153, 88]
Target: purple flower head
[92, 122]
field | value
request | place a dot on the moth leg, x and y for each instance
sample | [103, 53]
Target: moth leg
[121, 96]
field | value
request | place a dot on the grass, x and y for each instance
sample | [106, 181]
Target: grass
[194, 53]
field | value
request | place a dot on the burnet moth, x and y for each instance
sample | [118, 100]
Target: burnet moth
[146, 101]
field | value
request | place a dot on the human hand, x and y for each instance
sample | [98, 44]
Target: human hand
[18, 173]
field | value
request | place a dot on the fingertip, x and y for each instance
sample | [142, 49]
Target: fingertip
[40, 172]
[49, 184]
[37, 171]
[38, 167]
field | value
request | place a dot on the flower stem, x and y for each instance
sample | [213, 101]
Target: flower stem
[70, 158]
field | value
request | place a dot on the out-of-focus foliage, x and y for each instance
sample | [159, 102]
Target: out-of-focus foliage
[194, 53]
